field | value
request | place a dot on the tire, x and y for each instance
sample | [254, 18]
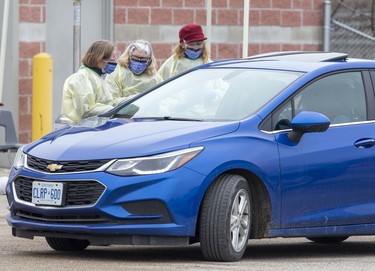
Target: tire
[328, 240]
[65, 244]
[224, 225]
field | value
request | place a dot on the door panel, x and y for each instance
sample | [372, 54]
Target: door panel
[327, 178]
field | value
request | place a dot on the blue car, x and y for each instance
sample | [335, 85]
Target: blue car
[277, 145]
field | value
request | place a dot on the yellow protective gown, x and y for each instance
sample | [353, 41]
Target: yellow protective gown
[173, 66]
[124, 83]
[85, 94]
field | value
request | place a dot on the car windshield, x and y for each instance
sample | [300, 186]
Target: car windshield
[211, 95]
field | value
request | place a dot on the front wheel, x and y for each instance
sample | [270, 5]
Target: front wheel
[225, 219]
[65, 244]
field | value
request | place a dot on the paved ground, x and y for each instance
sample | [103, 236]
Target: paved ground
[3, 179]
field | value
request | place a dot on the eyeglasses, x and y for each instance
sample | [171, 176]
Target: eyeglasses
[109, 61]
[139, 58]
[195, 44]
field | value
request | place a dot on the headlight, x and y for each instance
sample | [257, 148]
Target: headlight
[19, 159]
[153, 164]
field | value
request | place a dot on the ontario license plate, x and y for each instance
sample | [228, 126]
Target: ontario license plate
[46, 193]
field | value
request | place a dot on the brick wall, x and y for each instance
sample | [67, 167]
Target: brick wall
[159, 22]
[227, 16]
[31, 12]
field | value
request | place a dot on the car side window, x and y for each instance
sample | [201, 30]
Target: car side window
[340, 97]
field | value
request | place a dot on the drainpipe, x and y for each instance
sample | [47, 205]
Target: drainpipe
[209, 23]
[76, 34]
[327, 25]
[3, 47]
[245, 42]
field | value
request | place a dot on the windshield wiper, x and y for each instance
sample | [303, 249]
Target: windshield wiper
[180, 119]
[169, 118]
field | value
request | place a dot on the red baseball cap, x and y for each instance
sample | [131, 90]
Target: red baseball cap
[191, 32]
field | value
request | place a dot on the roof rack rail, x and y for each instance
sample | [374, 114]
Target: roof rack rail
[309, 56]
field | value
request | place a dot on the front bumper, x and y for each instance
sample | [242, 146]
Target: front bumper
[129, 208]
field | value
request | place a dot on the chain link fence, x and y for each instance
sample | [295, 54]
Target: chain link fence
[353, 28]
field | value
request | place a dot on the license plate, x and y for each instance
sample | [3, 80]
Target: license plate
[46, 193]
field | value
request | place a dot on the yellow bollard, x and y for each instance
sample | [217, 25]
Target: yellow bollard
[41, 109]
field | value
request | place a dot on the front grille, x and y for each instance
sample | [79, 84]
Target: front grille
[78, 193]
[66, 166]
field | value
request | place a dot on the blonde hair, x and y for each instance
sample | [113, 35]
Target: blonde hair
[179, 52]
[124, 59]
[98, 51]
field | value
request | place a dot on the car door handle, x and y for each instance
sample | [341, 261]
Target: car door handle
[365, 143]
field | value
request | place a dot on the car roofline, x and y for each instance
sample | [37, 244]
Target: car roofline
[305, 56]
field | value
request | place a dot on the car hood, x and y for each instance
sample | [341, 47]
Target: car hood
[104, 138]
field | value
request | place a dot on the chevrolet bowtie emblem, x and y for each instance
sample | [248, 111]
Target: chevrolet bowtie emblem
[54, 167]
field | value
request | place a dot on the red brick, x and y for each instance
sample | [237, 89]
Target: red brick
[266, 48]
[291, 18]
[24, 104]
[228, 51]
[254, 49]
[149, 3]
[183, 16]
[172, 3]
[30, 14]
[254, 18]
[138, 16]
[162, 51]
[227, 17]
[119, 15]
[213, 51]
[38, 2]
[201, 16]
[25, 86]
[313, 18]
[23, 2]
[29, 49]
[319, 4]
[121, 46]
[312, 47]
[220, 4]
[44, 14]
[24, 68]
[260, 4]
[195, 3]
[291, 47]
[236, 4]
[303, 4]
[282, 4]
[161, 16]
[24, 137]
[270, 17]
[125, 3]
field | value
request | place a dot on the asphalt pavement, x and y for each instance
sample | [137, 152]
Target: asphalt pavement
[4, 172]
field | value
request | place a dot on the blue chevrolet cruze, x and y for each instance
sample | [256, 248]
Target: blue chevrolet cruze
[277, 145]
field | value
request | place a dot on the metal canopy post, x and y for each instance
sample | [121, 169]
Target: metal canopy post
[209, 24]
[76, 34]
[245, 42]
[4, 35]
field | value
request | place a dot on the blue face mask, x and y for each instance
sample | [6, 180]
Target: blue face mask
[110, 67]
[192, 54]
[138, 67]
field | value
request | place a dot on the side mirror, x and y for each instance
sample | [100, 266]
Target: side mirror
[307, 122]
